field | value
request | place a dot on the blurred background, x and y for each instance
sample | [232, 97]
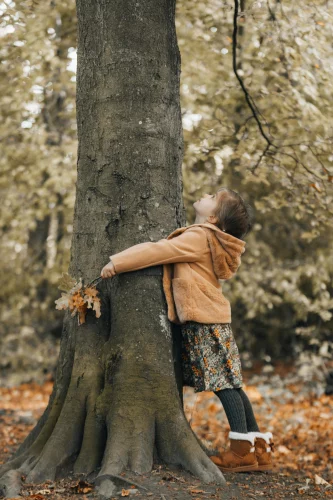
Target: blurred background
[279, 96]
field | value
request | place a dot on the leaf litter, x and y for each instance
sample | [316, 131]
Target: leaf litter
[301, 422]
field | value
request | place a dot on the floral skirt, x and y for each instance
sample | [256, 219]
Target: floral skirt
[210, 357]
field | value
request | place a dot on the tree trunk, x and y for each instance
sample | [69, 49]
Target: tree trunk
[116, 402]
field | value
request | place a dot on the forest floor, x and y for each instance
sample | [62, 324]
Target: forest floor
[299, 414]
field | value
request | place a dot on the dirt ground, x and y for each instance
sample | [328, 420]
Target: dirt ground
[299, 414]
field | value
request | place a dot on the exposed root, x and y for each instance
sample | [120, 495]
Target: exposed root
[119, 481]
[106, 489]
[106, 485]
[94, 438]
[77, 435]
[33, 445]
[130, 443]
[41, 432]
[132, 434]
[23, 461]
[10, 484]
[65, 440]
[185, 450]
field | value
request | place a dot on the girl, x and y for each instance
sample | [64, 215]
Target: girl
[194, 258]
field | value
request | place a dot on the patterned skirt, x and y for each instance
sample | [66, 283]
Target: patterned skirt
[210, 357]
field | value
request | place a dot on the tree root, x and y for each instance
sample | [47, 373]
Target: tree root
[106, 485]
[24, 460]
[185, 450]
[121, 410]
[47, 421]
[132, 433]
[125, 440]
[10, 484]
[32, 446]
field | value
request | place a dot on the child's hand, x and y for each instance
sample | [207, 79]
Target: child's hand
[108, 271]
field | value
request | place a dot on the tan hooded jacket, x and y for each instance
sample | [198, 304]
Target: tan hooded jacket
[194, 258]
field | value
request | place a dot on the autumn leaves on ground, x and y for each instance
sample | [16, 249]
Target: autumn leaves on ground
[299, 414]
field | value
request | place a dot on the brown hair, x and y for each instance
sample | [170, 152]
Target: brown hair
[235, 216]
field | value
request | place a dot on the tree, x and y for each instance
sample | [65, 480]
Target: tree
[116, 401]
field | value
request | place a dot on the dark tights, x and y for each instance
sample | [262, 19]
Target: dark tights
[238, 409]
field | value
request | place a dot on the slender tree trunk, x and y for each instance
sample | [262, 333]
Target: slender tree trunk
[116, 403]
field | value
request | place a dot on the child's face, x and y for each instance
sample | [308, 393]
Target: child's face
[207, 205]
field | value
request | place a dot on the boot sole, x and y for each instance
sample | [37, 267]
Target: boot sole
[244, 468]
[264, 468]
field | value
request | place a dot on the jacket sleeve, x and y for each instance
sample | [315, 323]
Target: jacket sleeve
[187, 247]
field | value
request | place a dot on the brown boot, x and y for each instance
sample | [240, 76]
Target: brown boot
[264, 447]
[241, 456]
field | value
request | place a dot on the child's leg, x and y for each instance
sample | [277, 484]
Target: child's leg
[251, 422]
[241, 456]
[234, 409]
[263, 441]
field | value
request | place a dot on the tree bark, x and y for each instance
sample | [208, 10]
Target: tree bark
[116, 402]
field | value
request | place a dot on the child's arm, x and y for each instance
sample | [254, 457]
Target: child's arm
[187, 247]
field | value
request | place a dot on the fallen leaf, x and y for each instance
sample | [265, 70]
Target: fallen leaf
[125, 493]
[86, 490]
[253, 394]
[316, 186]
[310, 458]
[320, 480]
[303, 489]
[82, 487]
[283, 449]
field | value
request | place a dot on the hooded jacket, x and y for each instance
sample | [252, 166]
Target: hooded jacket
[194, 259]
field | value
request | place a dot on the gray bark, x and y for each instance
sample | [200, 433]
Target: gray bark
[117, 402]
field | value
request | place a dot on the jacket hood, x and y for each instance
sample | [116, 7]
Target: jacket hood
[226, 250]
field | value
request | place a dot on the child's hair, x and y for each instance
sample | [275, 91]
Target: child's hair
[235, 216]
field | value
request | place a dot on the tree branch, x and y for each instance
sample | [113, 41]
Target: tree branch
[248, 98]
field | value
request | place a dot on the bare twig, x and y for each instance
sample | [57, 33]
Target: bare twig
[248, 98]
